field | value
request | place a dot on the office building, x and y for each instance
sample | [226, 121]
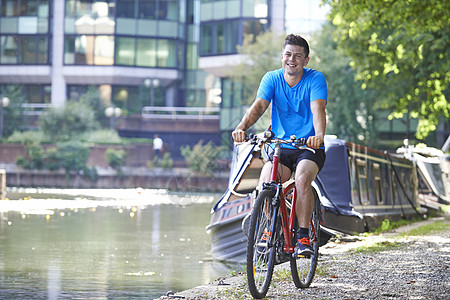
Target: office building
[160, 55]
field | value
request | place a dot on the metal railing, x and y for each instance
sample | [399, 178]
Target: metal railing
[191, 113]
[35, 109]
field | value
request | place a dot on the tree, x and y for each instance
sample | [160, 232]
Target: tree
[68, 122]
[350, 110]
[401, 48]
[13, 115]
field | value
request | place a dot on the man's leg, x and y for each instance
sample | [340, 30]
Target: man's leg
[305, 173]
[266, 171]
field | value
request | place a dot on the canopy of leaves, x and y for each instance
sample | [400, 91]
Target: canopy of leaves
[350, 110]
[400, 47]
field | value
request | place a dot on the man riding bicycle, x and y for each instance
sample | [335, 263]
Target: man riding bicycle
[299, 96]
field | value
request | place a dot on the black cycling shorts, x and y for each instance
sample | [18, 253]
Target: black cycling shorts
[291, 157]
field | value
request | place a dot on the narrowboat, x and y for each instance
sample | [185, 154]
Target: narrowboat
[433, 173]
[358, 188]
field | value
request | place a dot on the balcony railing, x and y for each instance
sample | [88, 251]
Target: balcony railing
[35, 109]
[191, 113]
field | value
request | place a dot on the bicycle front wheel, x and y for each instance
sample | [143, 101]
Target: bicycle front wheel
[304, 268]
[260, 252]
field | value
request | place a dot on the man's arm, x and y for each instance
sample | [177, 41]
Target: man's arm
[319, 123]
[251, 116]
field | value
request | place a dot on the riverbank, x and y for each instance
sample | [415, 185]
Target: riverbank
[175, 179]
[407, 263]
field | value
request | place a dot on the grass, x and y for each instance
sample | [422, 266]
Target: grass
[434, 227]
[377, 247]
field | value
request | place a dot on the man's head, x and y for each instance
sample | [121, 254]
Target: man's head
[295, 55]
[297, 40]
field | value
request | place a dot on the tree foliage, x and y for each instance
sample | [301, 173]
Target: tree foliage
[68, 122]
[350, 110]
[402, 48]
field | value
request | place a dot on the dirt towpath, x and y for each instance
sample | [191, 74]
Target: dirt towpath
[393, 265]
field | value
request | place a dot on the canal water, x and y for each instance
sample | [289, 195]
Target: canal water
[103, 244]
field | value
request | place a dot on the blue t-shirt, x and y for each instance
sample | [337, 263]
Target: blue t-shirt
[291, 106]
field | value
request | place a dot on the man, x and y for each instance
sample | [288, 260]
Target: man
[299, 96]
[157, 146]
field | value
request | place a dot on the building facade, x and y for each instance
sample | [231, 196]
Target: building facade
[151, 58]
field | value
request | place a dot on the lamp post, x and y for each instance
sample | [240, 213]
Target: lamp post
[112, 112]
[152, 84]
[4, 103]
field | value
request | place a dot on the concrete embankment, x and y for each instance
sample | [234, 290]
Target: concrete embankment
[177, 179]
[396, 265]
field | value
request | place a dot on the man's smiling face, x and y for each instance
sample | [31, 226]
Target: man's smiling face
[293, 59]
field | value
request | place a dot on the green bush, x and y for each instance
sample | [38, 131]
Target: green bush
[166, 162]
[103, 137]
[115, 157]
[74, 156]
[27, 137]
[53, 159]
[68, 122]
[202, 158]
[34, 159]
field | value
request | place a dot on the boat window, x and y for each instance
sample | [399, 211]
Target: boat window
[363, 190]
[377, 183]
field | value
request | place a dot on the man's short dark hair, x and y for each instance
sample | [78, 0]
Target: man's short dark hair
[297, 40]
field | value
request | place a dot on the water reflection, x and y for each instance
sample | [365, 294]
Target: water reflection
[94, 247]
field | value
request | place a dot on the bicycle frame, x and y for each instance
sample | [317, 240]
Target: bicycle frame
[287, 226]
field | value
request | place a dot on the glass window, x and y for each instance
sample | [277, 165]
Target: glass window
[9, 49]
[232, 39]
[42, 25]
[205, 39]
[9, 8]
[42, 50]
[168, 10]
[219, 45]
[125, 51]
[28, 8]
[84, 48]
[134, 101]
[69, 50]
[126, 26]
[28, 50]
[9, 25]
[227, 93]
[104, 50]
[146, 53]
[147, 9]
[190, 12]
[28, 24]
[167, 54]
[33, 93]
[126, 9]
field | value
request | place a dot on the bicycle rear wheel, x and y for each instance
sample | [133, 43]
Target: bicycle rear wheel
[260, 253]
[304, 268]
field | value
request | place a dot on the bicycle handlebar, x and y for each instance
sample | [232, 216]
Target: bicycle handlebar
[270, 138]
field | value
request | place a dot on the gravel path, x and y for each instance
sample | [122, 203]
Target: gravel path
[407, 267]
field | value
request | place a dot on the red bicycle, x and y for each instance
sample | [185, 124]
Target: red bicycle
[274, 212]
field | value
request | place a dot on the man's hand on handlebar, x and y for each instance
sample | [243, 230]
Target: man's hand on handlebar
[315, 142]
[238, 135]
